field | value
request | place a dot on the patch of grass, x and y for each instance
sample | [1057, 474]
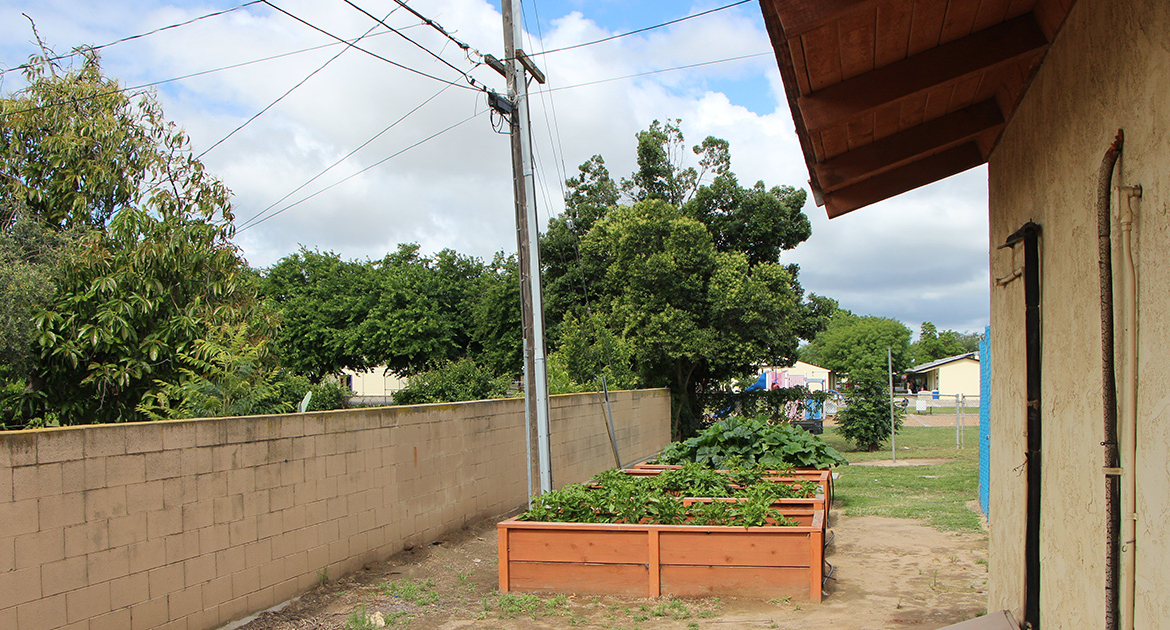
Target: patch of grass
[420, 592]
[937, 494]
[358, 619]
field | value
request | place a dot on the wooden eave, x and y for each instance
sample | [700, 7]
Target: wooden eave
[890, 95]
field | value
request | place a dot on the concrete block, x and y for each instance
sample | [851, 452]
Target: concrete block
[149, 615]
[42, 614]
[116, 620]
[185, 602]
[178, 436]
[20, 586]
[161, 523]
[143, 498]
[105, 503]
[39, 548]
[144, 437]
[31, 482]
[64, 575]
[61, 510]
[181, 546]
[163, 465]
[147, 556]
[86, 538]
[180, 490]
[195, 461]
[60, 445]
[213, 539]
[129, 590]
[87, 602]
[127, 530]
[95, 473]
[165, 580]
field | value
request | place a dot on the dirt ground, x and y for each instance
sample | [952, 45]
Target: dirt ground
[888, 573]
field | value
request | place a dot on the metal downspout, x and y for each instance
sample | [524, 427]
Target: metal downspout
[1109, 386]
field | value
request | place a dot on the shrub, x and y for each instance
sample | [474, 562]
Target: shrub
[453, 381]
[753, 442]
[866, 419]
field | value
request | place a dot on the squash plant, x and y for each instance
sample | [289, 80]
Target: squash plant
[754, 442]
[616, 497]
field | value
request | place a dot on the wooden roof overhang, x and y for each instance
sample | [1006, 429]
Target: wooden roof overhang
[890, 95]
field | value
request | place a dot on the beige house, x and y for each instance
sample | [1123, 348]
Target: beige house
[374, 386]
[816, 378]
[888, 95]
[950, 376]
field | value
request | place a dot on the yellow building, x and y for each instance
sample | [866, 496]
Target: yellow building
[950, 376]
[1068, 102]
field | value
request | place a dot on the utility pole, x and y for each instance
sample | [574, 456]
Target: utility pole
[527, 237]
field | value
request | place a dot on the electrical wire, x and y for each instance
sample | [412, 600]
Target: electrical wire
[349, 177]
[345, 157]
[435, 25]
[471, 80]
[180, 78]
[650, 72]
[289, 91]
[641, 30]
[132, 37]
[372, 54]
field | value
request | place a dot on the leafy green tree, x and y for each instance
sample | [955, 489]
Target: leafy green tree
[865, 421]
[853, 344]
[151, 270]
[451, 381]
[933, 344]
[29, 256]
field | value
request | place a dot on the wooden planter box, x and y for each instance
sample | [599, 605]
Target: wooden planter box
[653, 560]
[823, 477]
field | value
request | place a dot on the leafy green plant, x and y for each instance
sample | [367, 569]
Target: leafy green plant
[414, 591]
[753, 442]
[866, 420]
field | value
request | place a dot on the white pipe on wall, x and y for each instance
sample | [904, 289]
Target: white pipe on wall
[1128, 429]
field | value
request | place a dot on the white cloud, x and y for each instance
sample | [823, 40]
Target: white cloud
[921, 256]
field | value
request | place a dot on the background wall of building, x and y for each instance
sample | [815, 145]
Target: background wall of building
[1109, 68]
[191, 524]
[959, 377]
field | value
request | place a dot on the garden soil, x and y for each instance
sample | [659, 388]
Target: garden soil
[888, 573]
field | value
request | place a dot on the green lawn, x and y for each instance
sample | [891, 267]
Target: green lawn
[937, 494]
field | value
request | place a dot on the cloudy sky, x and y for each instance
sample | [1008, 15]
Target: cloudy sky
[920, 256]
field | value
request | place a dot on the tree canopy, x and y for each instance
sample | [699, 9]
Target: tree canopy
[681, 285]
[855, 345]
[150, 270]
[933, 345]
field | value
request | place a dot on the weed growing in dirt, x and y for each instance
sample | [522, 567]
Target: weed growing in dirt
[420, 592]
[323, 576]
[359, 620]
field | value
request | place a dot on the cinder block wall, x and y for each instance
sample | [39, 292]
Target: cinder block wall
[192, 524]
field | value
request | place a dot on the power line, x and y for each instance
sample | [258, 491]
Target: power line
[289, 91]
[353, 45]
[344, 157]
[133, 37]
[469, 78]
[375, 164]
[437, 27]
[180, 78]
[649, 72]
[641, 30]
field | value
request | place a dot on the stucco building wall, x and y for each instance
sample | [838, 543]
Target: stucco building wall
[1109, 68]
[192, 524]
[959, 377]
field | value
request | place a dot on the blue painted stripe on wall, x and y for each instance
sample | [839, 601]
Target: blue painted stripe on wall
[985, 423]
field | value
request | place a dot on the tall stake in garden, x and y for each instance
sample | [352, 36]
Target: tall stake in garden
[527, 234]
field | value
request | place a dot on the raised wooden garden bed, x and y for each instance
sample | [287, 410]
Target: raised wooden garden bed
[653, 560]
[822, 477]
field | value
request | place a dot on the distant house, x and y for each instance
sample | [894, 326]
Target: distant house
[815, 377]
[953, 375]
[376, 386]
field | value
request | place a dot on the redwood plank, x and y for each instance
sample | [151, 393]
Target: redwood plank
[926, 25]
[1018, 8]
[893, 31]
[900, 180]
[959, 20]
[599, 579]
[887, 121]
[964, 93]
[655, 562]
[905, 147]
[913, 110]
[859, 132]
[626, 547]
[991, 12]
[800, 16]
[937, 100]
[780, 549]
[502, 546]
[856, 33]
[1004, 44]
[816, 565]
[739, 581]
[822, 56]
[1050, 15]
[799, 68]
[835, 141]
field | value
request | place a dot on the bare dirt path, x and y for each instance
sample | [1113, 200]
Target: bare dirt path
[889, 573]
